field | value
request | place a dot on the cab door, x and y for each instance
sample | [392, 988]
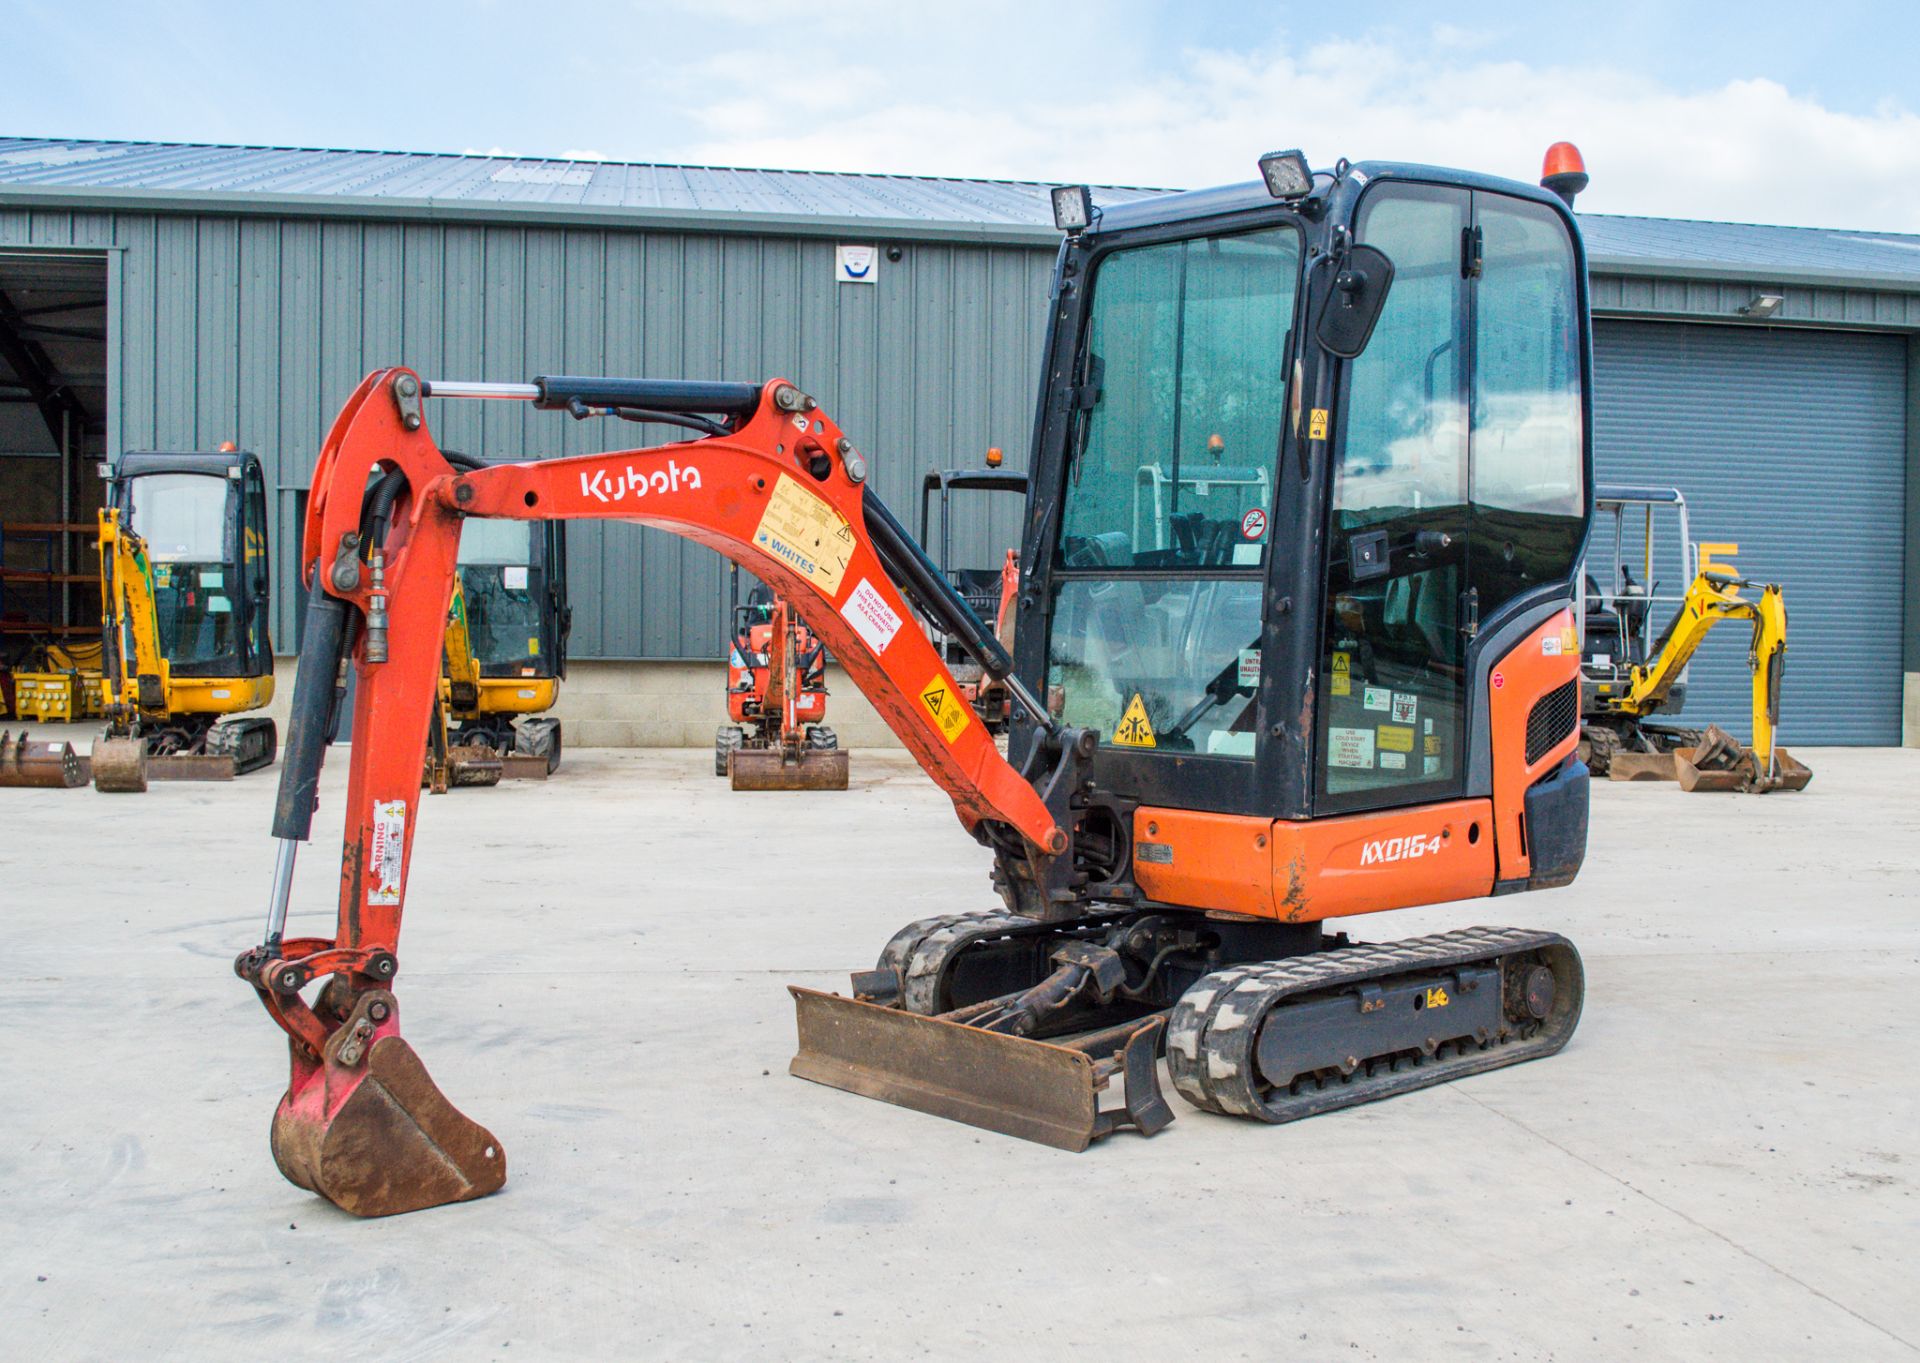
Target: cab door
[1459, 488]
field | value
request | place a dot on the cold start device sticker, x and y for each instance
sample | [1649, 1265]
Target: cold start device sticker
[1135, 730]
[804, 532]
[868, 612]
[388, 851]
[950, 712]
[1349, 747]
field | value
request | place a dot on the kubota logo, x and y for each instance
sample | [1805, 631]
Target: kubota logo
[1399, 849]
[638, 481]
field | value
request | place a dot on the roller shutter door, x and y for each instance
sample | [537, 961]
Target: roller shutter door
[1792, 445]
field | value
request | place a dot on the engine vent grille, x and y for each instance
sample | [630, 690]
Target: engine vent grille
[1551, 720]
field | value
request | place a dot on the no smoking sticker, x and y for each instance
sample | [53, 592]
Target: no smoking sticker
[1254, 524]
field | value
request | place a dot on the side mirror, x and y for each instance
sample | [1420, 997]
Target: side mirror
[1349, 292]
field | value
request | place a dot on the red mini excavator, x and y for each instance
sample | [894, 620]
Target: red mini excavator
[1339, 680]
[776, 700]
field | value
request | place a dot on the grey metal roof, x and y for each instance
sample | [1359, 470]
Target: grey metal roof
[420, 184]
[439, 185]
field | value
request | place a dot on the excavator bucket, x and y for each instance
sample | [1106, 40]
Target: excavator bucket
[1037, 1090]
[1722, 763]
[787, 769]
[120, 765]
[25, 763]
[367, 1129]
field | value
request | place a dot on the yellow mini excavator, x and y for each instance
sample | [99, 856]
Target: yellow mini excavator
[505, 655]
[183, 603]
[1628, 676]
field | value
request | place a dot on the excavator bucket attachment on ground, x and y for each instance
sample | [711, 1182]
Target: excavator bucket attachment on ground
[1642, 766]
[26, 763]
[367, 1129]
[1722, 763]
[1038, 1090]
[120, 765]
[776, 769]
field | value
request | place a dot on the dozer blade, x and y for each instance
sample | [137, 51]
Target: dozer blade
[772, 769]
[50, 765]
[1642, 766]
[1036, 1090]
[120, 765]
[367, 1128]
[191, 766]
[523, 766]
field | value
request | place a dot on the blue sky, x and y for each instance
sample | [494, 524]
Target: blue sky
[1759, 111]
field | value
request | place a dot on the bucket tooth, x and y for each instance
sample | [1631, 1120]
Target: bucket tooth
[777, 769]
[367, 1128]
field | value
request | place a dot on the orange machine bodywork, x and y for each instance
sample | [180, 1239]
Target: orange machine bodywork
[1301, 872]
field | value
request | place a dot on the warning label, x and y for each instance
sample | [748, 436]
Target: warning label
[804, 532]
[1317, 424]
[951, 714]
[1342, 675]
[1393, 738]
[388, 851]
[1134, 730]
[868, 612]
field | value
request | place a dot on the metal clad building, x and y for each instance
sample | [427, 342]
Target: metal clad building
[245, 290]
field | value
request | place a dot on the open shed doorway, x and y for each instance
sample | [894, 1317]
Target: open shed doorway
[53, 432]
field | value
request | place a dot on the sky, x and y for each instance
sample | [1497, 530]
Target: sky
[1754, 111]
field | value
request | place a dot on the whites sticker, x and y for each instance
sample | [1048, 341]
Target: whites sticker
[1349, 747]
[389, 850]
[1550, 645]
[870, 615]
[1376, 698]
[1405, 705]
[1393, 761]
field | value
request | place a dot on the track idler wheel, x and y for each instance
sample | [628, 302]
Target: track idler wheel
[367, 1129]
[120, 765]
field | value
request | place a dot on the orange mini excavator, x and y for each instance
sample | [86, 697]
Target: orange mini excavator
[776, 700]
[1349, 687]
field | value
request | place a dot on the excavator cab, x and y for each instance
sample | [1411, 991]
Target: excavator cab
[186, 592]
[1296, 642]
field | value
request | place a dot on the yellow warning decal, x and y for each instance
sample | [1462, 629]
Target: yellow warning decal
[951, 714]
[804, 532]
[1317, 424]
[1433, 745]
[1395, 738]
[1134, 730]
[1437, 998]
[1342, 678]
[1568, 640]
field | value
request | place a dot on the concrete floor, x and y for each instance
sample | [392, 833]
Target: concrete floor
[1723, 1164]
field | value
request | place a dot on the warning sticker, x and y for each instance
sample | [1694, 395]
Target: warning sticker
[868, 612]
[1550, 645]
[1569, 641]
[1376, 697]
[1393, 738]
[1393, 761]
[388, 851]
[1432, 745]
[804, 532]
[1317, 424]
[1342, 674]
[950, 712]
[1247, 674]
[1431, 765]
[1134, 730]
[1349, 747]
[1405, 705]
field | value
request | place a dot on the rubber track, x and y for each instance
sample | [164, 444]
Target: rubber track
[1213, 1034]
[921, 951]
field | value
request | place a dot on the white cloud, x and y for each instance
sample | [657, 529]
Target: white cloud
[1743, 150]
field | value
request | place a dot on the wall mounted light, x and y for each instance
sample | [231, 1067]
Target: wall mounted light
[1764, 305]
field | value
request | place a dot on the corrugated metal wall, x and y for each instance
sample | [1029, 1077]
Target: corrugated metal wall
[255, 329]
[1790, 443]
